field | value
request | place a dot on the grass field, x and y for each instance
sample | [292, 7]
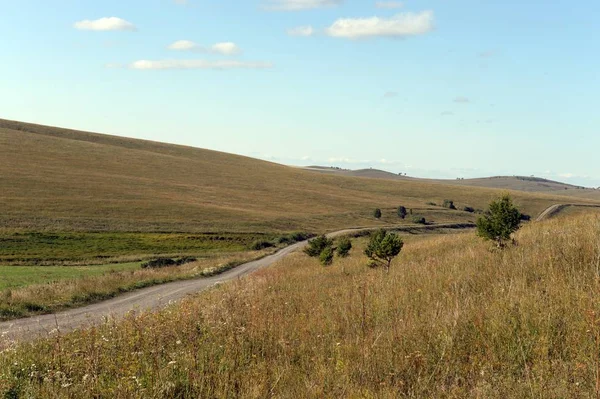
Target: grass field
[452, 319]
[12, 277]
[83, 248]
[60, 180]
[31, 290]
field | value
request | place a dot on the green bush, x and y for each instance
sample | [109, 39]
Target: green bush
[469, 209]
[449, 204]
[344, 247]
[377, 213]
[261, 244]
[500, 222]
[402, 212]
[419, 220]
[326, 256]
[317, 245]
[382, 248]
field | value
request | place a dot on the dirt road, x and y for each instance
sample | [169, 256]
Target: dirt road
[151, 298]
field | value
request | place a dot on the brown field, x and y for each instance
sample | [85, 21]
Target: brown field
[453, 319]
[62, 180]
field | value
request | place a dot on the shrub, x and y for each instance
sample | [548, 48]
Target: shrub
[419, 220]
[469, 209]
[402, 212]
[294, 237]
[377, 213]
[500, 222]
[431, 203]
[167, 262]
[317, 245]
[261, 244]
[326, 256]
[344, 247]
[449, 204]
[383, 247]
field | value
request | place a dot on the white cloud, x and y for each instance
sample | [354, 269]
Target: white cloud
[389, 4]
[197, 64]
[105, 24]
[225, 48]
[298, 5]
[301, 31]
[400, 25]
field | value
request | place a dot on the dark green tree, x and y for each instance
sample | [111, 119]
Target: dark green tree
[377, 213]
[344, 247]
[317, 245]
[383, 247]
[500, 221]
[402, 212]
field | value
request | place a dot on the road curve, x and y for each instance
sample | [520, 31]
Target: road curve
[557, 208]
[151, 298]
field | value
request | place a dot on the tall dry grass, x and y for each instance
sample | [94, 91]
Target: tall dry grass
[453, 319]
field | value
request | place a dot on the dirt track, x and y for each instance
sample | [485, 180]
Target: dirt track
[150, 298]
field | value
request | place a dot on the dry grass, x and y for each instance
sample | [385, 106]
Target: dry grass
[452, 319]
[62, 180]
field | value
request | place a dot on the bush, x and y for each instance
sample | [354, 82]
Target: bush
[449, 204]
[294, 237]
[261, 244]
[469, 209]
[402, 212]
[326, 256]
[383, 247]
[317, 245]
[419, 220]
[431, 203]
[344, 247]
[159, 263]
[500, 222]
[377, 213]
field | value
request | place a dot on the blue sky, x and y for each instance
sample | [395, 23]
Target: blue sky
[434, 88]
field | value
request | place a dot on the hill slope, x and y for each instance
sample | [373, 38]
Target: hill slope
[58, 179]
[518, 183]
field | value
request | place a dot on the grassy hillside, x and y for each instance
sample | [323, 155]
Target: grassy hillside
[453, 319]
[63, 180]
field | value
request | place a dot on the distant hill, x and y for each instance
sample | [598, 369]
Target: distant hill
[518, 183]
[59, 179]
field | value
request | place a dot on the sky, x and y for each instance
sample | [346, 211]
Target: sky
[431, 88]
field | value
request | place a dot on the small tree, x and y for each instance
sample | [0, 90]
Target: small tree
[449, 204]
[377, 213]
[402, 212]
[344, 247]
[317, 245]
[500, 222]
[383, 247]
[326, 256]
[419, 220]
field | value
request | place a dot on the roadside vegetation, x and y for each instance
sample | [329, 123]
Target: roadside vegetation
[27, 291]
[451, 319]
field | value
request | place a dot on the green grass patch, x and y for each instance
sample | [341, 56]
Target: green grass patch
[22, 276]
[44, 248]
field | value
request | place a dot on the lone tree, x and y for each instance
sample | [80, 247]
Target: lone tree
[383, 247]
[377, 213]
[402, 212]
[500, 221]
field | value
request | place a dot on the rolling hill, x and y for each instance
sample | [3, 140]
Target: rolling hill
[64, 180]
[517, 183]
